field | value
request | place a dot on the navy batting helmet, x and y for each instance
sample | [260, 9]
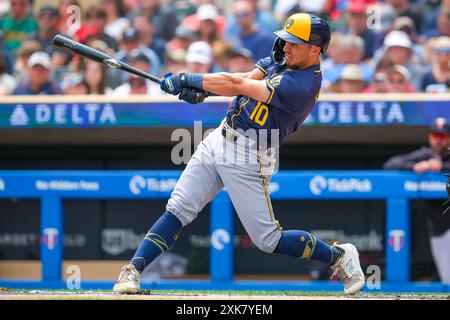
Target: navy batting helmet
[302, 28]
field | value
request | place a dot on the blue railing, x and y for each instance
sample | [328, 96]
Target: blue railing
[395, 187]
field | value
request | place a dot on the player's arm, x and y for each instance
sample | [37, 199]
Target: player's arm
[223, 84]
[229, 84]
[255, 74]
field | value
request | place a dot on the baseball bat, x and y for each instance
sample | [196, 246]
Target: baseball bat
[74, 47]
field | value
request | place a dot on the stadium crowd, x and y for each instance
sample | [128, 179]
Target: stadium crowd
[376, 46]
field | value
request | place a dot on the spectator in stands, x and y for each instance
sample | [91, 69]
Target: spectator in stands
[241, 61]
[96, 17]
[38, 81]
[199, 57]
[285, 8]
[265, 20]
[60, 65]
[357, 25]
[135, 84]
[380, 81]
[434, 158]
[207, 22]
[438, 78]
[348, 50]
[183, 39]
[116, 22]
[405, 9]
[431, 15]
[48, 20]
[26, 49]
[145, 28]
[222, 54]
[399, 48]
[73, 84]
[69, 22]
[207, 15]
[442, 25]
[406, 25]
[94, 76]
[175, 61]
[351, 80]
[7, 82]
[16, 26]
[250, 36]
[131, 42]
[164, 17]
[399, 80]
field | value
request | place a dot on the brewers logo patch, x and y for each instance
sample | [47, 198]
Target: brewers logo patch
[289, 23]
[275, 80]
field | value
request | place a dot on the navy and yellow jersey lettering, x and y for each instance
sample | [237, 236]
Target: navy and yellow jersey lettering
[293, 94]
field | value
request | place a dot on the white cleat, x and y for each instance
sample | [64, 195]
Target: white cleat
[348, 269]
[128, 282]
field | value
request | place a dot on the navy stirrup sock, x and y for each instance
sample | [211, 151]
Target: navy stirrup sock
[159, 239]
[305, 246]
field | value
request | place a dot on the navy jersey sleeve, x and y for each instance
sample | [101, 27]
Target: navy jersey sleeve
[287, 90]
[263, 64]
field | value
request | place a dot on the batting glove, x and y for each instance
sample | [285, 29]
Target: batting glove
[174, 84]
[192, 95]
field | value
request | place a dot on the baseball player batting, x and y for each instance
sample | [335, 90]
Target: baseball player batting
[275, 97]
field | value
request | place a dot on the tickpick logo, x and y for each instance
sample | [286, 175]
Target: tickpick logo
[317, 184]
[219, 239]
[137, 184]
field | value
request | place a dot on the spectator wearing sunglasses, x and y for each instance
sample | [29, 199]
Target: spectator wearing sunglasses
[399, 80]
[438, 79]
[434, 158]
[251, 36]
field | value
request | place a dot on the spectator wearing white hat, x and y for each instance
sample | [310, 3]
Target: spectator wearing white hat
[199, 57]
[73, 84]
[206, 21]
[398, 47]
[207, 14]
[351, 80]
[38, 82]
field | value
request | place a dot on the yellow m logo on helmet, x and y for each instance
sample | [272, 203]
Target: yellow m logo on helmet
[304, 28]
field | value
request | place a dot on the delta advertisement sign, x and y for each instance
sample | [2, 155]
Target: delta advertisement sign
[171, 114]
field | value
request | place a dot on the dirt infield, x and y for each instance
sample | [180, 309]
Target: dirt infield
[8, 294]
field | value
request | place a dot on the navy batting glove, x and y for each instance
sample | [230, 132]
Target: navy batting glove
[192, 95]
[174, 84]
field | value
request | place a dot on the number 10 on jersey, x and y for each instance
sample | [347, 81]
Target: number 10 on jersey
[260, 114]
